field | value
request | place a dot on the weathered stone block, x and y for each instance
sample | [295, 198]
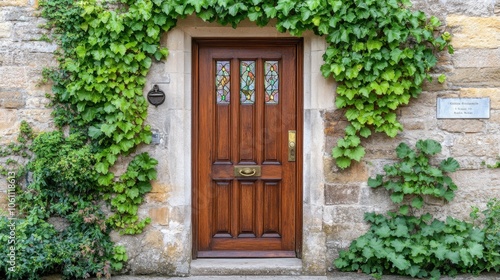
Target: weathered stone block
[413, 124]
[12, 77]
[8, 120]
[11, 99]
[14, 3]
[492, 93]
[158, 193]
[154, 239]
[481, 77]
[338, 194]
[467, 126]
[476, 58]
[348, 231]
[475, 145]
[159, 216]
[356, 173]
[28, 31]
[474, 32]
[5, 29]
[463, 7]
[345, 214]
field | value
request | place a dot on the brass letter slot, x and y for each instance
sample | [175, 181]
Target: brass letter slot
[292, 145]
[247, 171]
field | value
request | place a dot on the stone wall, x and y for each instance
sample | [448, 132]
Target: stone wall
[23, 56]
[473, 71]
[334, 200]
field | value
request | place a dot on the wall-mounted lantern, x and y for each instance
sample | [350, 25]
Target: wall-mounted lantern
[156, 96]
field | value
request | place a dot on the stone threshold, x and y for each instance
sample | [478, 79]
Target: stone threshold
[247, 266]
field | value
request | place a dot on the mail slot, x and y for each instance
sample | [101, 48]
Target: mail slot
[247, 171]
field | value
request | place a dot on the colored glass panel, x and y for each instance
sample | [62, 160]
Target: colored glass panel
[271, 82]
[223, 82]
[247, 82]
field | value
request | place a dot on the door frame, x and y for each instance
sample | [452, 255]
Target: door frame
[298, 42]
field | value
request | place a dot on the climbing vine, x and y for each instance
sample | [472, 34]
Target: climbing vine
[423, 246]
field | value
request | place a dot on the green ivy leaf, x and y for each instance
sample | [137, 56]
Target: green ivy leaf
[343, 162]
[417, 202]
[428, 147]
[449, 165]
[397, 197]
[375, 182]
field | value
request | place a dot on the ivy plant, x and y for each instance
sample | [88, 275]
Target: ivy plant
[62, 186]
[423, 246]
[414, 175]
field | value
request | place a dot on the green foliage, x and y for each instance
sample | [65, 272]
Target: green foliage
[379, 52]
[489, 219]
[421, 247]
[414, 175]
[65, 187]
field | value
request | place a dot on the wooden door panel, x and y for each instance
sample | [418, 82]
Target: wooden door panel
[272, 205]
[247, 201]
[247, 135]
[222, 208]
[222, 145]
[246, 101]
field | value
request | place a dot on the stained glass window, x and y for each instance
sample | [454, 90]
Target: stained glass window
[271, 82]
[247, 82]
[223, 82]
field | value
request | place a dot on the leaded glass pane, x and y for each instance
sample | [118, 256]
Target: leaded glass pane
[223, 82]
[247, 82]
[271, 82]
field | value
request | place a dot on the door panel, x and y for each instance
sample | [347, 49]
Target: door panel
[246, 193]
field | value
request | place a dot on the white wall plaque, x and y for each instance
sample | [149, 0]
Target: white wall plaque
[463, 108]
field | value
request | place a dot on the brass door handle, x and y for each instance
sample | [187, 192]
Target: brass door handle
[247, 170]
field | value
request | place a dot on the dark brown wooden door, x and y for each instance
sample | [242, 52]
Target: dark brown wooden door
[247, 191]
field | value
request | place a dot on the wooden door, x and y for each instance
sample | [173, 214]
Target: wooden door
[247, 108]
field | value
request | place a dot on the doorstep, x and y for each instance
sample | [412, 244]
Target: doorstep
[263, 266]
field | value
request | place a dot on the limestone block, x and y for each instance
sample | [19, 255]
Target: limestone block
[474, 32]
[344, 214]
[476, 58]
[14, 3]
[467, 126]
[8, 121]
[27, 31]
[379, 197]
[12, 77]
[158, 193]
[347, 231]
[464, 7]
[492, 93]
[338, 194]
[154, 239]
[11, 99]
[476, 145]
[479, 77]
[39, 115]
[356, 173]
[5, 29]
[159, 215]
[413, 124]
